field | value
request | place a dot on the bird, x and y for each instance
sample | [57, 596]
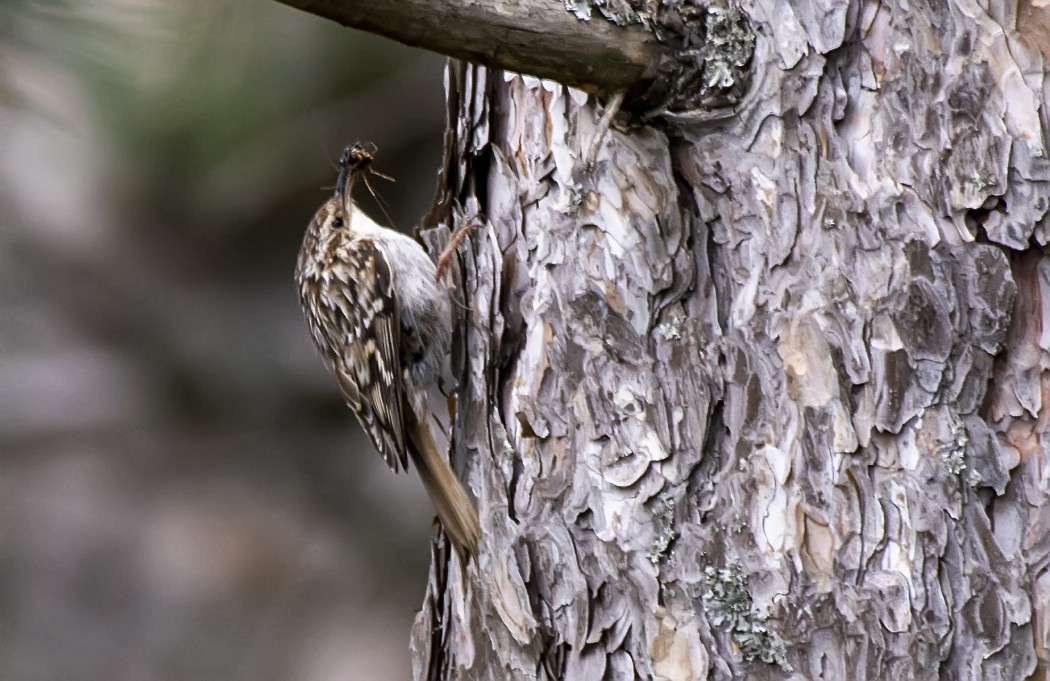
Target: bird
[382, 322]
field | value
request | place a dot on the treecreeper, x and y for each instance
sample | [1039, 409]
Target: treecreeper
[382, 322]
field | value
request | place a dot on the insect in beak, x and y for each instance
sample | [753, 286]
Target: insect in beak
[352, 161]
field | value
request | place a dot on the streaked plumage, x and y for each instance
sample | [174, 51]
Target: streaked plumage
[383, 325]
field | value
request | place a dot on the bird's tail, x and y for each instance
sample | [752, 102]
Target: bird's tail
[454, 508]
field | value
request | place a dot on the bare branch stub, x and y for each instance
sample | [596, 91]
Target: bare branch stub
[710, 64]
[537, 37]
[673, 55]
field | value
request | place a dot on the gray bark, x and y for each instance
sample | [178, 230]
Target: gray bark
[761, 399]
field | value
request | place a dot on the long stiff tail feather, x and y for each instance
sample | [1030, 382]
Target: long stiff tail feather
[454, 508]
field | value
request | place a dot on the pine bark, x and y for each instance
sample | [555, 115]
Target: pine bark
[763, 397]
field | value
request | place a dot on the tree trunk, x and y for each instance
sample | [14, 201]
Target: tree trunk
[759, 398]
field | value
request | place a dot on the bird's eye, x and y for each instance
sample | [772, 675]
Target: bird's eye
[337, 222]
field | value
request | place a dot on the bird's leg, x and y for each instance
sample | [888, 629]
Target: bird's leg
[453, 243]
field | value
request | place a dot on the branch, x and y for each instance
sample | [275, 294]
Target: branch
[538, 37]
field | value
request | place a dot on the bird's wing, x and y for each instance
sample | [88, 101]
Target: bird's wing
[368, 365]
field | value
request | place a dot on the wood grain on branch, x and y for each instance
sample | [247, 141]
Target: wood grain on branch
[537, 37]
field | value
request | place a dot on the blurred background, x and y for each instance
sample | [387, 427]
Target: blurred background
[183, 494]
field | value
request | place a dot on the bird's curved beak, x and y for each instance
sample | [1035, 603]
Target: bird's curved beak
[355, 158]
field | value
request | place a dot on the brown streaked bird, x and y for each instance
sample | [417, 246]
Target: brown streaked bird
[383, 324]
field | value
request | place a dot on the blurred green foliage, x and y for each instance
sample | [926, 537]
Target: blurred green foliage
[207, 112]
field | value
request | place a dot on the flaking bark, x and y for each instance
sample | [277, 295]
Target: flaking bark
[766, 399]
